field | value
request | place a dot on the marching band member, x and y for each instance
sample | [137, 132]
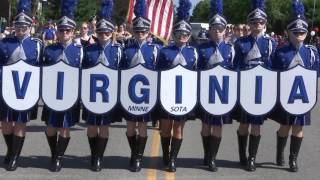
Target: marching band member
[255, 49]
[139, 52]
[108, 53]
[178, 53]
[292, 54]
[13, 49]
[213, 53]
[71, 53]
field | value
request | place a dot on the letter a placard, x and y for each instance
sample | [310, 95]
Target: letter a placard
[60, 86]
[298, 90]
[99, 88]
[178, 90]
[21, 85]
[138, 92]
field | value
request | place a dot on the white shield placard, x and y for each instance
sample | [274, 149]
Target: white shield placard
[178, 90]
[99, 88]
[218, 90]
[60, 86]
[298, 90]
[258, 90]
[21, 85]
[138, 92]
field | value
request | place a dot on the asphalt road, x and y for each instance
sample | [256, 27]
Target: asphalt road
[35, 158]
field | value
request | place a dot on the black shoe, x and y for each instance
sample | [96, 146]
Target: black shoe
[61, 147]
[214, 145]
[100, 148]
[92, 144]
[8, 139]
[294, 151]
[242, 145]
[17, 143]
[281, 144]
[205, 143]
[175, 147]
[52, 141]
[132, 140]
[141, 144]
[253, 149]
[165, 144]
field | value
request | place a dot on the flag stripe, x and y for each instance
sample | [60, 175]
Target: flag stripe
[169, 22]
[161, 16]
[154, 14]
[160, 12]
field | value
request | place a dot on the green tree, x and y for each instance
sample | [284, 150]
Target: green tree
[236, 11]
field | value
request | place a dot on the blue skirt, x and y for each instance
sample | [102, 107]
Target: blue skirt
[64, 119]
[243, 117]
[216, 120]
[101, 119]
[279, 115]
[10, 115]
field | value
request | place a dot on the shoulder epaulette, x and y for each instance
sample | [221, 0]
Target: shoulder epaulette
[312, 47]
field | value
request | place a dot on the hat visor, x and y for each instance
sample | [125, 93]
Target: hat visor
[257, 19]
[182, 32]
[219, 25]
[140, 29]
[65, 27]
[301, 30]
[104, 30]
[21, 23]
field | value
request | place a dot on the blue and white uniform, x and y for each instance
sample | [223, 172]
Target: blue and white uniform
[286, 58]
[212, 54]
[146, 54]
[109, 55]
[13, 49]
[172, 56]
[249, 52]
[71, 54]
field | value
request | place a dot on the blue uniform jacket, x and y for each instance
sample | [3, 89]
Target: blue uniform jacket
[172, 55]
[209, 55]
[288, 57]
[72, 54]
[13, 49]
[248, 56]
[250, 52]
[109, 55]
[145, 54]
[134, 54]
[212, 54]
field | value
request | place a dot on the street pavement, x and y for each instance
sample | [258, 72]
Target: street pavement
[35, 158]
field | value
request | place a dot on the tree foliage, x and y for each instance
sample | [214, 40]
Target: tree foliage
[86, 9]
[236, 12]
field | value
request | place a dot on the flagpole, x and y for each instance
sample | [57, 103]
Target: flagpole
[313, 13]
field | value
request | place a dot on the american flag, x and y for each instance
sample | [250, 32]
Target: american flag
[160, 13]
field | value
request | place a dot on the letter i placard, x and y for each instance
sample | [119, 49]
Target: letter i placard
[178, 90]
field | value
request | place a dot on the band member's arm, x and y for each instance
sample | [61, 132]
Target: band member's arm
[238, 58]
